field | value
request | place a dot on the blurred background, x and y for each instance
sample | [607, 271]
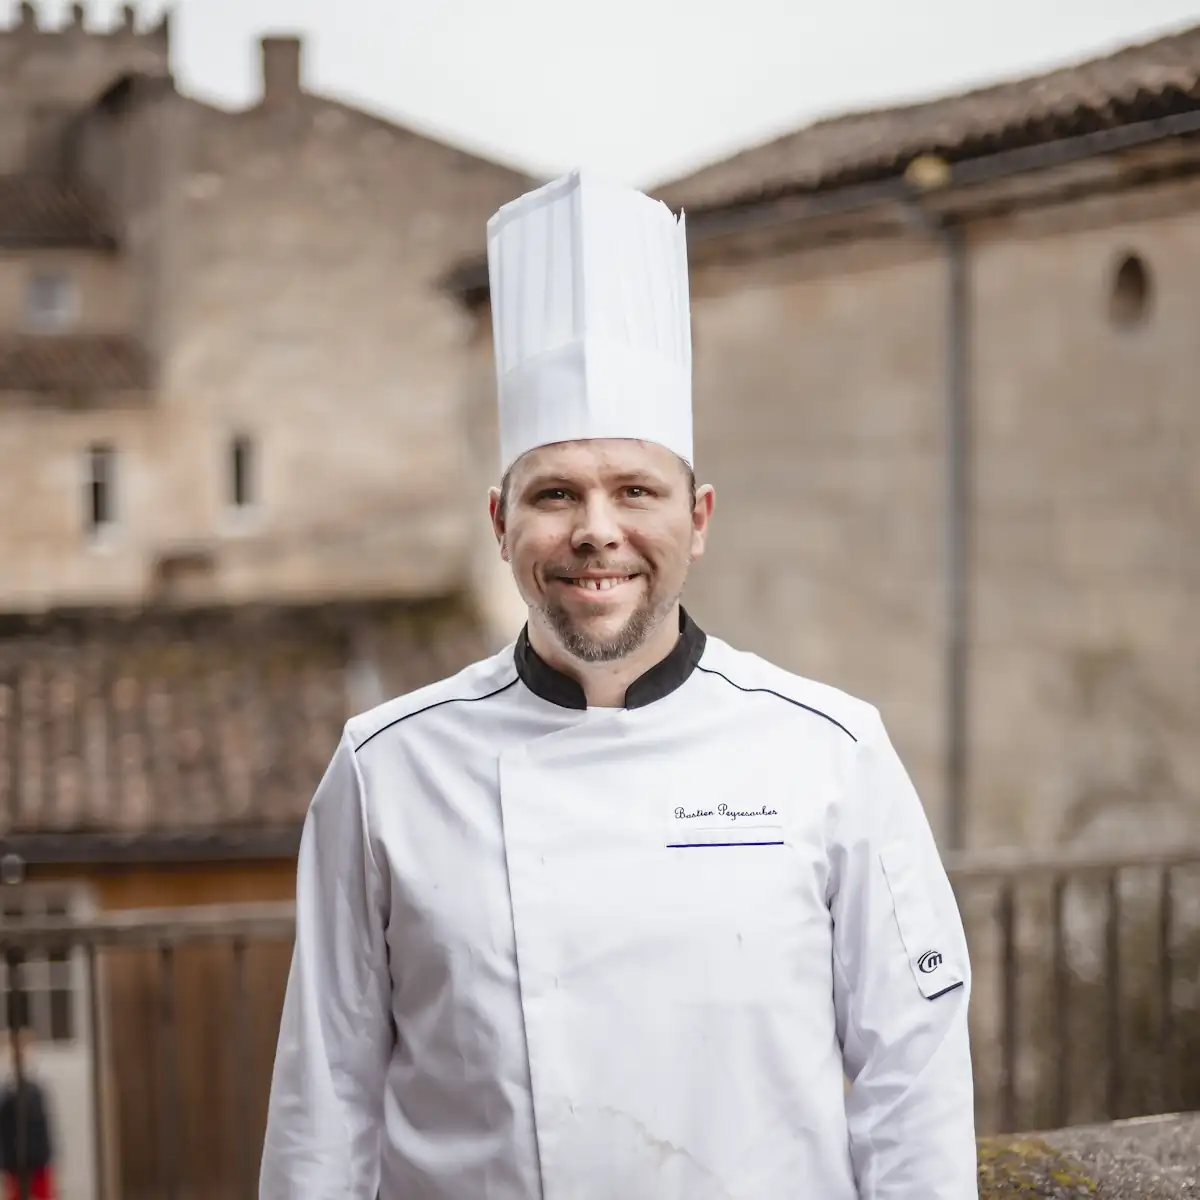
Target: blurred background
[945, 262]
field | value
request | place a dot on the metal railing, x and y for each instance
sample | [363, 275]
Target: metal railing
[1040, 1063]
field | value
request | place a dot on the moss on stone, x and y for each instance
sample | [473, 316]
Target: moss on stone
[1025, 1166]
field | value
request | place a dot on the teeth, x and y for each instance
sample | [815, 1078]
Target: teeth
[600, 585]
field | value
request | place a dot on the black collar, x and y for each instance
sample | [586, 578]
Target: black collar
[661, 680]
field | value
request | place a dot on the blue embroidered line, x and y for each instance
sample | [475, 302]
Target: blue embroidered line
[715, 845]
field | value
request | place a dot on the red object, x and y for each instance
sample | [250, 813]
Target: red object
[41, 1185]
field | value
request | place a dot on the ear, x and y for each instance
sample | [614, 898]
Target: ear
[702, 513]
[499, 525]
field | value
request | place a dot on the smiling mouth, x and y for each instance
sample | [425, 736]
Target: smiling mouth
[596, 585]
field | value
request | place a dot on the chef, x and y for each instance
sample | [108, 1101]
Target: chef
[622, 912]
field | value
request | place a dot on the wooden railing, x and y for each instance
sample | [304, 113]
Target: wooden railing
[1055, 1043]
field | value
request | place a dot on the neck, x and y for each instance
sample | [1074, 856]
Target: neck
[605, 684]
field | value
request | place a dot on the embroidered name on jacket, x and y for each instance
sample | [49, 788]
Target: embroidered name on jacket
[724, 812]
[724, 825]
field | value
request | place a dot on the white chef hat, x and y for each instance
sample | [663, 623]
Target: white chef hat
[590, 318]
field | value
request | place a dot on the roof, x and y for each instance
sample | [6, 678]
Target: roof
[197, 722]
[1139, 83]
[37, 210]
[73, 362]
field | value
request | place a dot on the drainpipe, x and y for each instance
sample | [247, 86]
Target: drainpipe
[957, 520]
[925, 174]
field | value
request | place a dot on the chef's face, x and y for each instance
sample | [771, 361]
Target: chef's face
[600, 535]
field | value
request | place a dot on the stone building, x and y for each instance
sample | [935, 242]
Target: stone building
[229, 384]
[228, 378]
[238, 505]
[945, 362]
[225, 375]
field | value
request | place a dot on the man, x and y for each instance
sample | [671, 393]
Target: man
[620, 913]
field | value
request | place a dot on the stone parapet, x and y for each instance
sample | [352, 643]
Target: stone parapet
[1149, 1158]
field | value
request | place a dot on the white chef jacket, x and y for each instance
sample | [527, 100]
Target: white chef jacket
[552, 952]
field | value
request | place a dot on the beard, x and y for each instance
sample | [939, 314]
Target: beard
[631, 636]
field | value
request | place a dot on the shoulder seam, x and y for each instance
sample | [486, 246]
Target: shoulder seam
[779, 696]
[416, 712]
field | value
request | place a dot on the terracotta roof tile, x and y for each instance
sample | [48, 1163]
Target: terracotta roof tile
[53, 362]
[44, 211]
[1135, 84]
[195, 722]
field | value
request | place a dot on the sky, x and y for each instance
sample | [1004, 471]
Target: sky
[639, 90]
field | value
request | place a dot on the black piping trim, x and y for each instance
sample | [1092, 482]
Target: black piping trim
[780, 696]
[436, 704]
[945, 991]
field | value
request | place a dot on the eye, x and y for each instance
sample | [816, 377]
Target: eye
[637, 491]
[551, 494]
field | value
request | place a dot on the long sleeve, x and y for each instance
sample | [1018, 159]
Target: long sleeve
[325, 1114]
[902, 983]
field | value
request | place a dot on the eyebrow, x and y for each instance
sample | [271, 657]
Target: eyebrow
[538, 482]
[548, 480]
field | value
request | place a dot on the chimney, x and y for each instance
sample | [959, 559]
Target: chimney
[280, 70]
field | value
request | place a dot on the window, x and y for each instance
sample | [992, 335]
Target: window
[51, 301]
[242, 481]
[47, 984]
[100, 507]
[1132, 291]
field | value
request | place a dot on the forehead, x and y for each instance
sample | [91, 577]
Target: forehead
[596, 458]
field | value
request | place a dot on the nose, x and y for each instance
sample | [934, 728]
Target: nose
[596, 526]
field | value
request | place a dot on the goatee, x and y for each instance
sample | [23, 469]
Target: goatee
[629, 638]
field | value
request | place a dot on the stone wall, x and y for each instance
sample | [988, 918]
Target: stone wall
[307, 247]
[819, 402]
[1087, 571]
[1154, 1159]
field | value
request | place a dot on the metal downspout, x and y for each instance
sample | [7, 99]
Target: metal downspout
[957, 530]
[956, 522]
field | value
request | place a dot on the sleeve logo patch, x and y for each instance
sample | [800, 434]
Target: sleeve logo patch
[929, 962]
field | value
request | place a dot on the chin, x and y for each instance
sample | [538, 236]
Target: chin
[608, 625]
[601, 625]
